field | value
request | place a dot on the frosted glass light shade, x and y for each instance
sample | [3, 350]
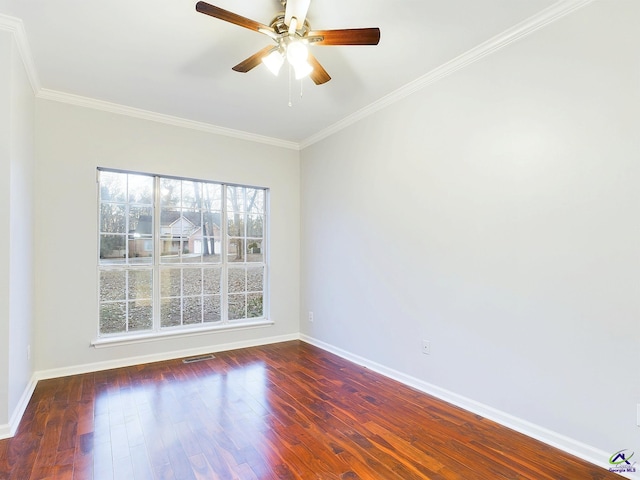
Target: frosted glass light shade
[297, 53]
[274, 61]
[302, 69]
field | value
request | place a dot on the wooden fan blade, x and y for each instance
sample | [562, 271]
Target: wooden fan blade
[348, 36]
[231, 17]
[254, 60]
[319, 75]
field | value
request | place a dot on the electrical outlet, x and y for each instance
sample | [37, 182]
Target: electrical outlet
[426, 347]
[310, 316]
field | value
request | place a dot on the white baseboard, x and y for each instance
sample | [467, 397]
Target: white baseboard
[586, 452]
[8, 430]
[158, 357]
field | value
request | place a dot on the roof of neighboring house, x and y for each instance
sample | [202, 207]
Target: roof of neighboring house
[169, 217]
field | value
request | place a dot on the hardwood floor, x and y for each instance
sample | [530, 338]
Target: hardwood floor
[284, 411]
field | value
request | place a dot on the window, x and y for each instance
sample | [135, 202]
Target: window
[177, 254]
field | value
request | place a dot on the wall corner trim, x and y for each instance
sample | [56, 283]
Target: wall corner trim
[9, 430]
[15, 26]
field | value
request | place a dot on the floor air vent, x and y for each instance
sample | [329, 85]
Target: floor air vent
[200, 358]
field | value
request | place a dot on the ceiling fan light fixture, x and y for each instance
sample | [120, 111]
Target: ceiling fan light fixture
[302, 69]
[297, 53]
[274, 61]
[292, 33]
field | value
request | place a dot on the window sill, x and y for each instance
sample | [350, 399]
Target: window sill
[155, 336]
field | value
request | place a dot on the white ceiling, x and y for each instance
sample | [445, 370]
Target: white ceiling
[164, 57]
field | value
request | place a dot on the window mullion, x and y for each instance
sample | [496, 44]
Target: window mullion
[127, 265]
[156, 254]
[245, 241]
[224, 310]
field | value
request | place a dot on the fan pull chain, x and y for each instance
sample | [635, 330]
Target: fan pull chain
[301, 83]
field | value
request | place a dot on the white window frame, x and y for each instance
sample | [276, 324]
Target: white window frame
[157, 331]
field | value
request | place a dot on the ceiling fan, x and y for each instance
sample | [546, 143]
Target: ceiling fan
[292, 34]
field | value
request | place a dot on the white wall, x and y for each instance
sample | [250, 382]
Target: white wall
[496, 214]
[70, 143]
[16, 242]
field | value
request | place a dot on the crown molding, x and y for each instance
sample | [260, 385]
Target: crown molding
[16, 27]
[511, 35]
[81, 101]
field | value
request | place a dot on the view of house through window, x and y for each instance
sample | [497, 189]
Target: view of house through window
[177, 253]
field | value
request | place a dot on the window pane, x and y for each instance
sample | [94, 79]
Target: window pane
[255, 200]
[211, 308]
[192, 281]
[140, 249]
[191, 194]
[170, 282]
[181, 235]
[112, 218]
[255, 225]
[140, 189]
[211, 234]
[237, 306]
[237, 280]
[140, 221]
[140, 282]
[191, 223]
[211, 221]
[235, 250]
[235, 199]
[170, 250]
[211, 250]
[254, 250]
[255, 279]
[170, 192]
[212, 193]
[192, 251]
[140, 315]
[113, 317]
[112, 248]
[192, 310]
[168, 218]
[254, 305]
[113, 187]
[235, 224]
[112, 285]
[170, 309]
[211, 280]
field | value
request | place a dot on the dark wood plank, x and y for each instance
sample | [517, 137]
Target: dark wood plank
[283, 411]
